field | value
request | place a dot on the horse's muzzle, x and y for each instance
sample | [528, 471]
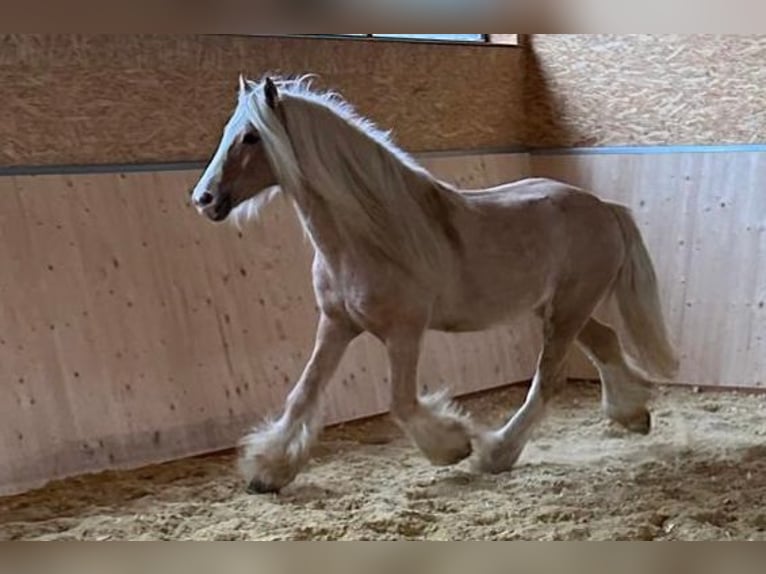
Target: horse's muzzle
[219, 210]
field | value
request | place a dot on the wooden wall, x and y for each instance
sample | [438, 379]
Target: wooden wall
[645, 89]
[84, 99]
[704, 219]
[132, 331]
[670, 124]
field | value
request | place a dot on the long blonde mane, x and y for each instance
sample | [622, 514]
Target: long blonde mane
[378, 196]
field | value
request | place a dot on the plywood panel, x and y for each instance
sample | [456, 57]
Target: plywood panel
[704, 219]
[82, 99]
[631, 89]
[132, 331]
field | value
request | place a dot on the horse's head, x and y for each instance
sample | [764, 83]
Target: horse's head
[240, 168]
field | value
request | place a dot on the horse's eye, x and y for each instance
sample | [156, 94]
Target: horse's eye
[251, 138]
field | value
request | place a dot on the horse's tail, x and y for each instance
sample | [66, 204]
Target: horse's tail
[639, 302]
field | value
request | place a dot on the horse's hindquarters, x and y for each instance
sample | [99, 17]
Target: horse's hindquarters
[523, 245]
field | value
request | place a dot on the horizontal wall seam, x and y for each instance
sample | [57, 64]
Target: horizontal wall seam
[112, 168]
[651, 149]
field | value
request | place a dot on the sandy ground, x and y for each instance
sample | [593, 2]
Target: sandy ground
[701, 475]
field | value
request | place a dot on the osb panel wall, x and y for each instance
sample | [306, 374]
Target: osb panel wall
[132, 331]
[704, 219]
[76, 99]
[639, 89]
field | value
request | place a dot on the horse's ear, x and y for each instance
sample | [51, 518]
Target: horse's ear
[244, 85]
[271, 92]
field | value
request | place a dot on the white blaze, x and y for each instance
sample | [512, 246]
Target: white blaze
[211, 177]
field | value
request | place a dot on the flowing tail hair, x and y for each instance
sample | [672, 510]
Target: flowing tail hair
[639, 302]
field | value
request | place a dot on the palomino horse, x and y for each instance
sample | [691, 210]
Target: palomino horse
[398, 253]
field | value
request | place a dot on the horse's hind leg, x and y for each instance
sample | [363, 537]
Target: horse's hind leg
[433, 423]
[625, 392]
[274, 455]
[563, 318]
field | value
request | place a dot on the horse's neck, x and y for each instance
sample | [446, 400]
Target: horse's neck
[403, 229]
[318, 224]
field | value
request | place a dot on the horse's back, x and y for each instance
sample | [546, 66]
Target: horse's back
[525, 191]
[542, 205]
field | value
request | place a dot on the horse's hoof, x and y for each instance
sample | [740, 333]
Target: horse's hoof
[495, 466]
[453, 456]
[494, 456]
[453, 447]
[257, 487]
[639, 424]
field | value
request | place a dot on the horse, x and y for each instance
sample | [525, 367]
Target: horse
[399, 253]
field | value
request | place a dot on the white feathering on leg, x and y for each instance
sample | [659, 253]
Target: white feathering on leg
[274, 454]
[441, 429]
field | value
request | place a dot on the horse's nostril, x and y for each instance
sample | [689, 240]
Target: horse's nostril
[206, 199]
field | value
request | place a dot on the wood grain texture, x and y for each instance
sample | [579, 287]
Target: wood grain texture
[636, 89]
[704, 219]
[132, 331]
[84, 99]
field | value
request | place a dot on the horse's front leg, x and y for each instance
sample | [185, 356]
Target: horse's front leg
[273, 456]
[434, 424]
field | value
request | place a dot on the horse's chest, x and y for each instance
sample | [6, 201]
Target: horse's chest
[372, 301]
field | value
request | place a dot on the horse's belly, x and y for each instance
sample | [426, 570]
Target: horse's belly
[458, 324]
[480, 314]
[499, 299]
